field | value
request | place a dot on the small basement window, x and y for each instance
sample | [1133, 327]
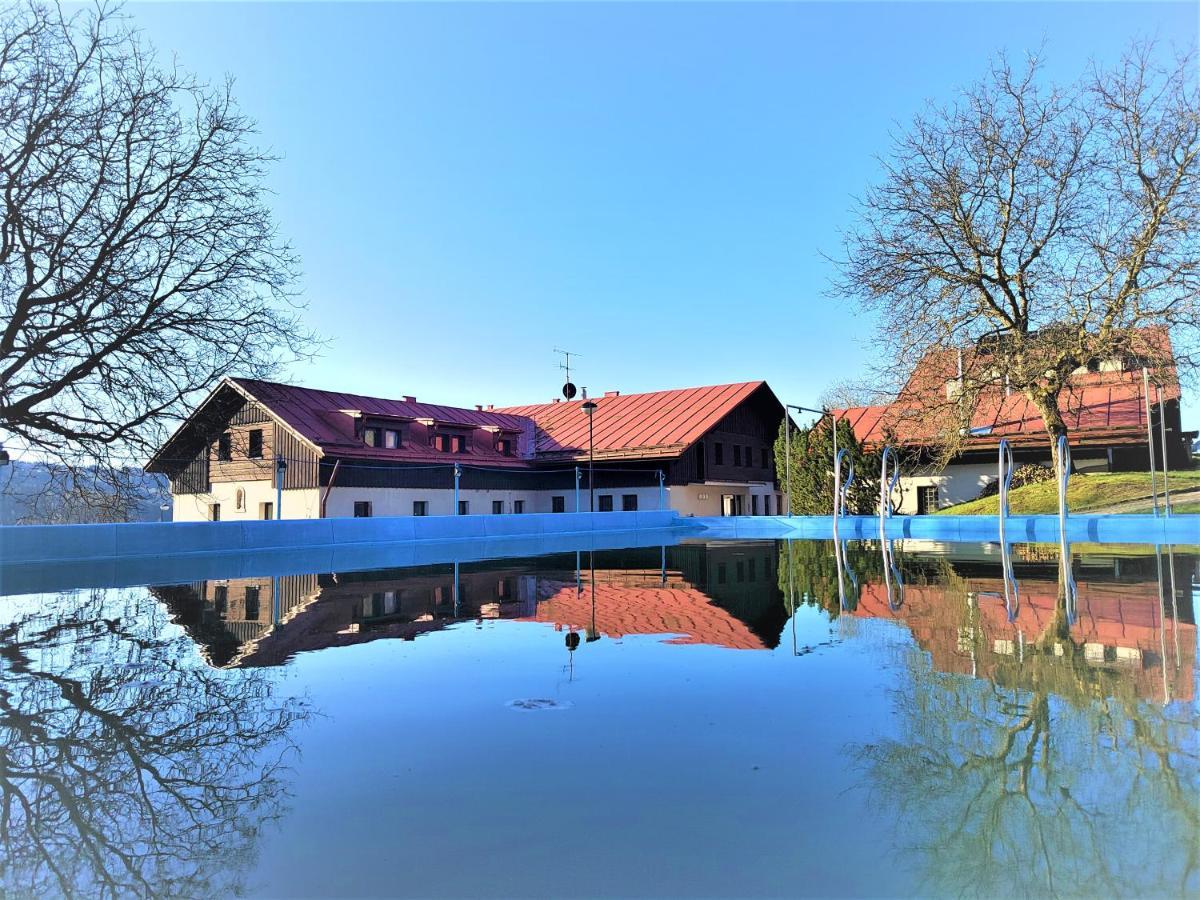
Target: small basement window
[558, 504]
[420, 507]
[497, 507]
[362, 509]
[606, 503]
[464, 507]
[629, 502]
[518, 506]
[266, 511]
[214, 512]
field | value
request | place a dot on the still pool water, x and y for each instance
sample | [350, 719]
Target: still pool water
[725, 719]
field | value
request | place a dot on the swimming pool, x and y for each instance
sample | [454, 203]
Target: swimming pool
[682, 717]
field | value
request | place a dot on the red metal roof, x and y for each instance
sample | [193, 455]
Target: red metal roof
[320, 418]
[657, 424]
[1096, 406]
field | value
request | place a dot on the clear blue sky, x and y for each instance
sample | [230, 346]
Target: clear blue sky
[652, 186]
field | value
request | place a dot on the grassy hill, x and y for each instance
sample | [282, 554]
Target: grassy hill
[1084, 493]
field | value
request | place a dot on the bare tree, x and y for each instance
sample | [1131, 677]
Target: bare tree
[1040, 229]
[138, 261]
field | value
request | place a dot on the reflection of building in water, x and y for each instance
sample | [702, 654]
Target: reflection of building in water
[725, 595]
[1120, 624]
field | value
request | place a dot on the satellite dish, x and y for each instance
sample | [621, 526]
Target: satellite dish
[569, 391]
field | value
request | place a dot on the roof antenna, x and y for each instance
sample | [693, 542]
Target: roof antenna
[568, 389]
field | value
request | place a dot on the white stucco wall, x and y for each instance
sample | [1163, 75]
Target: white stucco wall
[705, 499]
[300, 503]
[955, 484]
[688, 500]
[399, 501]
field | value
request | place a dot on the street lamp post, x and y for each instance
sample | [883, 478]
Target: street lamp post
[787, 442]
[589, 408]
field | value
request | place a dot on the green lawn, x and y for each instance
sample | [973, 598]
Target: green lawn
[1085, 492]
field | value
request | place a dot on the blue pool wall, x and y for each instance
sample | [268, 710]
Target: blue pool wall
[1112, 529]
[59, 543]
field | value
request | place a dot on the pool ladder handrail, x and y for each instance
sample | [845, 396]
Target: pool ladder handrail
[886, 486]
[841, 491]
[1063, 467]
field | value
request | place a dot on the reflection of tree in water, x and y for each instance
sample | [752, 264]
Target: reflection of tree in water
[126, 765]
[1051, 777]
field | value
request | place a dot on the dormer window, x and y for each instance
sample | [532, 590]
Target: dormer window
[441, 442]
[458, 443]
[373, 437]
[504, 445]
[392, 439]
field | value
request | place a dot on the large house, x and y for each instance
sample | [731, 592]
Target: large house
[701, 451]
[1104, 408]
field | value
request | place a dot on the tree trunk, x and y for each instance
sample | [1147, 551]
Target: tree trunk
[1047, 406]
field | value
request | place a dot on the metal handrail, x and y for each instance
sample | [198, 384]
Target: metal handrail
[888, 485]
[1063, 464]
[1005, 475]
[840, 491]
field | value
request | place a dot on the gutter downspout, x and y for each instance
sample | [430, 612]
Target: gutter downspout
[329, 487]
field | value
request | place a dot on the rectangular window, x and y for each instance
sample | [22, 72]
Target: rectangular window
[750, 569]
[558, 504]
[606, 503]
[721, 573]
[391, 439]
[749, 457]
[458, 444]
[225, 447]
[700, 461]
[504, 445]
[252, 603]
[718, 454]
[497, 507]
[629, 502]
[737, 454]
[214, 512]
[256, 444]
[420, 507]
[766, 504]
[518, 506]
[927, 499]
[372, 436]
[464, 507]
[362, 509]
[266, 510]
[754, 504]
[765, 462]
[740, 569]
[220, 598]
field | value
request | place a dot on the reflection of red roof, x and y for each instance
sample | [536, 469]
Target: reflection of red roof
[320, 418]
[622, 609]
[1108, 406]
[1111, 614]
[662, 423]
